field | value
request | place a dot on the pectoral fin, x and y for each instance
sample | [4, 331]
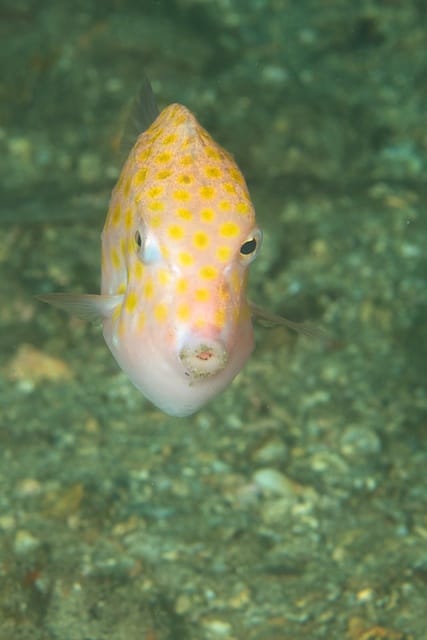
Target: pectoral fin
[87, 306]
[273, 320]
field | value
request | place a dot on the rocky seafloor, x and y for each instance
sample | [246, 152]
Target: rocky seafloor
[294, 505]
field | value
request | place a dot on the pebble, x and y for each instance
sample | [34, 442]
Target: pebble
[7, 523]
[273, 481]
[217, 627]
[277, 510]
[273, 450]
[328, 462]
[183, 604]
[32, 365]
[20, 148]
[28, 487]
[25, 542]
[357, 441]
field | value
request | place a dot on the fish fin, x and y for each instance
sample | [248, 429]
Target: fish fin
[141, 114]
[86, 306]
[273, 320]
[146, 109]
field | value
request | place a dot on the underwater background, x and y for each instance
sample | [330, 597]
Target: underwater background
[293, 506]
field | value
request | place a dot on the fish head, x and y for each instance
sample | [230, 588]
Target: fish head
[177, 244]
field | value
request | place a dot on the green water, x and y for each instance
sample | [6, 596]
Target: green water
[294, 505]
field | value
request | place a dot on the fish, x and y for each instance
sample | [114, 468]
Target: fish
[179, 237]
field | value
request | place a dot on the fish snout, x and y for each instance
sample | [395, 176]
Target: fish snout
[203, 356]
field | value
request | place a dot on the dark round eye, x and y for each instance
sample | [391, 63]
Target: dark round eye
[248, 247]
[138, 238]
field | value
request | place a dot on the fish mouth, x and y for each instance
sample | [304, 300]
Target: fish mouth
[203, 359]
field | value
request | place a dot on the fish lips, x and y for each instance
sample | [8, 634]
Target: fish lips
[203, 358]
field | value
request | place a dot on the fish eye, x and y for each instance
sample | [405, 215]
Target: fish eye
[250, 247]
[146, 245]
[138, 239]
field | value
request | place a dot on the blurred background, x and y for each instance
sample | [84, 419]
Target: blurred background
[294, 505]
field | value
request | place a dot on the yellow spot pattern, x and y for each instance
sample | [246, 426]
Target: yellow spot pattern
[181, 285]
[178, 120]
[116, 214]
[164, 277]
[181, 194]
[208, 272]
[207, 215]
[202, 295]
[223, 253]
[156, 221]
[242, 207]
[213, 153]
[131, 302]
[139, 177]
[160, 312]
[213, 172]
[229, 230]
[148, 289]
[128, 218]
[187, 197]
[115, 260]
[220, 317]
[183, 312]
[117, 312]
[200, 240]
[154, 192]
[236, 175]
[169, 139]
[187, 160]
[185, 214]
[163, 174]
[175, 232]
[138, 270]
[185, 179]
[185, 259]
[164, 157]
[143, 155]
[127, 187]
[156, 205]
[207, 192]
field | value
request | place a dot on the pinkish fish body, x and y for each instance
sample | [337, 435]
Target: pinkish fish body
[177, 242]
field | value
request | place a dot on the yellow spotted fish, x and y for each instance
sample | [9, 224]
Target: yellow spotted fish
[177, 242]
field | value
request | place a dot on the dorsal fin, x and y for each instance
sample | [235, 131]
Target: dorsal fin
[145, 107]
[141, 113]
